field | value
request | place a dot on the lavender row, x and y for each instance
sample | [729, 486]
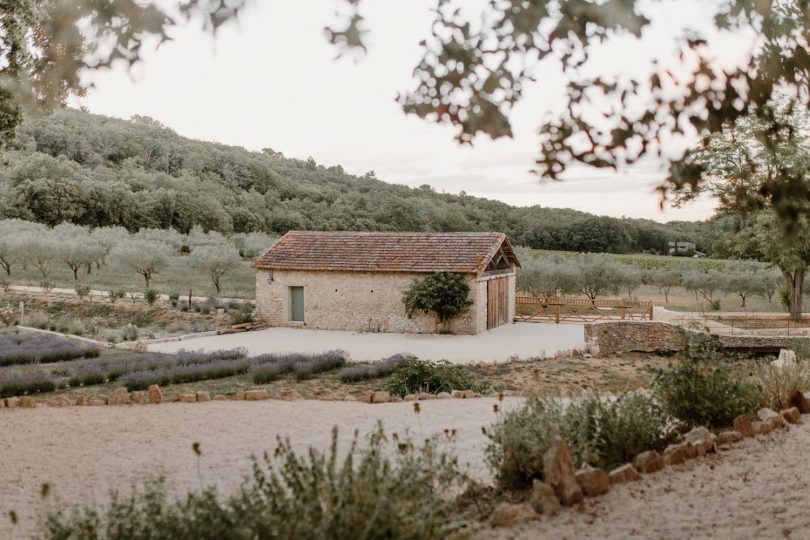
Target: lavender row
[18, 348]
[373, 371]
[270, 367]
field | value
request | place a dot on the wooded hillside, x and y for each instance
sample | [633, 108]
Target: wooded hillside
[98, 171]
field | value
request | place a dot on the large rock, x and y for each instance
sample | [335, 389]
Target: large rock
[729, 437]
[648, 462]
[155, 394]
[769, 416]
[702, 439]
[256, 395]
[443, 395]
[81, 401]
[791, 415]
[203, 396]
[187, 397]
[761, 428]
[675, 454]
[120, 396]
[623, 473]
[797, 399]
[743, 425]
[27, 402]
[509, 515]
[787, 357]
[62, 402]
[543, 500]
[139, 398]
[11, 402]
[593, 481]
[463, 394]
[375, 397]
[558, 471]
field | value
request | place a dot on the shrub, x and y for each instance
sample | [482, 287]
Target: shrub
[443, 294]
[82, 291]
[46, 286]
[242, 316]
[174, 298]
[381, 490]
[377, 370]
[5, 285]
[116, 295]
[150, 295]
[412, 375]
[701, 389]
[714, 305]
[320, 363]
[519, 440]
[606, 432]
[8, 315]
[774, 384]
[602, 431]
[129, 332]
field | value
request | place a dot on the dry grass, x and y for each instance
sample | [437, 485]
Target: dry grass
[562, 374]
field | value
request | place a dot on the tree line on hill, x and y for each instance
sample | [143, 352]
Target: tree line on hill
[71, 166]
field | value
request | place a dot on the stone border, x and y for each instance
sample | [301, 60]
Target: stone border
[154, 396]
[564, 486]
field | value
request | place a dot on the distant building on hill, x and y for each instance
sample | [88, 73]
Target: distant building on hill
[355, 280]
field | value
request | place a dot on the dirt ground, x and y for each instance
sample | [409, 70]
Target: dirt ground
[561, 374]
[753, 490]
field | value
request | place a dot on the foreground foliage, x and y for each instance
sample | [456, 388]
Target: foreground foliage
[414, 376]
[701, 389]
[388, 488]
[602, 431]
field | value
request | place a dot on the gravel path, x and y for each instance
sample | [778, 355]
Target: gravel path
[754, 490]
[524, 340]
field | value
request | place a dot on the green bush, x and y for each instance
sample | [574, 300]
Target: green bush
[602, 432]
[605, 432]
[174, 298]
[386, 489]
[412, 376]
[519, 440]
[774, 384]
[702, 388]
[443, 294]
[150, 295]
[82, 291]
[116, 294]
[714, 305]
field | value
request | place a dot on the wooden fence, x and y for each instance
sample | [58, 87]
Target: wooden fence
[556, 309]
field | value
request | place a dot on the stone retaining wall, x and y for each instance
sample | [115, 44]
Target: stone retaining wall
[650, 336]
[632, 336]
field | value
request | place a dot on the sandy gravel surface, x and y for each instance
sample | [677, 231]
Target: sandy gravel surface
[524, 340]
[754, 490]
[84, 452]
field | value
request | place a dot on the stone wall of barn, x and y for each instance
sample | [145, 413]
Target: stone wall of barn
[357, 301]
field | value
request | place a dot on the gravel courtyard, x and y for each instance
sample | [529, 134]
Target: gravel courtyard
[524, 340]
[750, 491]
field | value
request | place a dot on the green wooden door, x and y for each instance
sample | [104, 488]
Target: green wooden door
[297, 304]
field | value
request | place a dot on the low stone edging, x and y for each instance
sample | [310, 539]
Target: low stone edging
[564, 486]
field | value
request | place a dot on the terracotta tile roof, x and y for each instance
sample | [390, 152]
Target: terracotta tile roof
[385, 252]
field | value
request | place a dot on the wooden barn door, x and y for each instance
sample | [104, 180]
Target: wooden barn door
[497, 302]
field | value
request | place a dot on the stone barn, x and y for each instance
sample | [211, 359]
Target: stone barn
[355, 280]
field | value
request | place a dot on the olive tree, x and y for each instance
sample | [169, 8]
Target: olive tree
[704, 284]
[146, 258]
[547, 277]
[599, 274]
[665, 279]
[216, 261]
[444, 294]
[742, 278]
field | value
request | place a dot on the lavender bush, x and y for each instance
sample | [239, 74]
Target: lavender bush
[18, 384]
[377, 370]
[270, 367]
[20, 348]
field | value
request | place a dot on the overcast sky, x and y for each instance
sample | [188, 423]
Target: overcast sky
[271, 80]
